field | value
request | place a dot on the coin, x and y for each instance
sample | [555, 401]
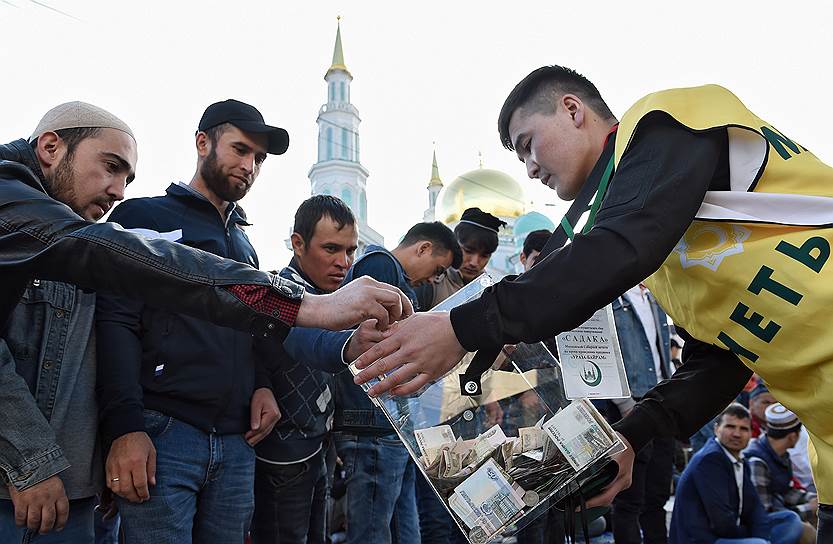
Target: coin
[531, 498]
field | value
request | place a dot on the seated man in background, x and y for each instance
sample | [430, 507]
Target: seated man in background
[759, 400]
[716, 501]
[772, 472]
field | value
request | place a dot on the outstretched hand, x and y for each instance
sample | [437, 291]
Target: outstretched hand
[421, 349]
[358, 301]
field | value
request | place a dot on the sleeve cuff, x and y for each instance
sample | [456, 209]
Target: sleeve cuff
[344, 349]
[263, 380]
[127, 421]
[48, 464]
[281, 303]
[637, 427]
[467, 322]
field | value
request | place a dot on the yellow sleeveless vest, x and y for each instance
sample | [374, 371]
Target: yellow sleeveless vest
[751, 274]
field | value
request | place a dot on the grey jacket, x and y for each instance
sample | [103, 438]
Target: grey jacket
[47, 377]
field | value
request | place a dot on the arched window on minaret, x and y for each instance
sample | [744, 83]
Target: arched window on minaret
[342, 95]
[345, 144]
[356, 134]
[347, 197]
[330, 143]
[363, 207]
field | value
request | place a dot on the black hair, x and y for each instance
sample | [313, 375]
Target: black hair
[439, 235]
[72, 137]
[314, 208]
[536, 92]
[476, 238]
[735, 410]
[216, 131]
[535, 241]
[781, 433]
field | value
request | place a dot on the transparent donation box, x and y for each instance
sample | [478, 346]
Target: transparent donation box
[500, 452]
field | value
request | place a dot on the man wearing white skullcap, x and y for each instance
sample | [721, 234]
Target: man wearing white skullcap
[84, 156]
[771, 468]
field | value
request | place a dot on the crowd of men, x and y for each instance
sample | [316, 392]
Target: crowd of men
[158, 387]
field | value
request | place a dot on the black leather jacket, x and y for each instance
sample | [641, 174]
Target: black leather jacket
[42, 238]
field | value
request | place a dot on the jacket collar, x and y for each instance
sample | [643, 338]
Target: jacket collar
[21, 153]
[300, 276]
[783, 460]
[234, 213]
[373, 248]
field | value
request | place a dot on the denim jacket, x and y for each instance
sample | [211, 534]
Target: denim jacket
[354, 411]
[47, 370]
[636, 351]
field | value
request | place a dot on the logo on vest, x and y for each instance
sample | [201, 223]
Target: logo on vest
[707, 244]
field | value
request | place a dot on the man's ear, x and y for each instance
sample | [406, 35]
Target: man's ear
[203, 144]
[424, 247]
[49, 150]
[298, 245]
[574, 108]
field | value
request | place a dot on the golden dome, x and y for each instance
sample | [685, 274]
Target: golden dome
[490, 190]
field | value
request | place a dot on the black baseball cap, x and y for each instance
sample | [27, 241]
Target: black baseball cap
[247, 119]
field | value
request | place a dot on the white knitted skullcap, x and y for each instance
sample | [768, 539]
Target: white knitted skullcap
[78, 115]
[778, 417]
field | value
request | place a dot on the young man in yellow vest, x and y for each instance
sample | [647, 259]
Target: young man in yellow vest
[727, 218]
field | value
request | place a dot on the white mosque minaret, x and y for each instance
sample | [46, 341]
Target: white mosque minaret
[338, 170]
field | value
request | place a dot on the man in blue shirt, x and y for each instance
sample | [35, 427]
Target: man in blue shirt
[715, 500]
[380, 474]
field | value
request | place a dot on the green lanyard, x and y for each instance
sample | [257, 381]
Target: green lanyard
[594, 208]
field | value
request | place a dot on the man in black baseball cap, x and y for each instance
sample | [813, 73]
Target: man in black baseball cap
[248, 119]
[210, 382]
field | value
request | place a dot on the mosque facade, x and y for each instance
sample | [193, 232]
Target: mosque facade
[338, 171]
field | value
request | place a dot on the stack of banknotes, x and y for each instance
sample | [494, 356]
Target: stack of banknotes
[490, 481]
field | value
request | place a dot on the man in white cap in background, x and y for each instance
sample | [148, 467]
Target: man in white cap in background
[53, 187]
[771, 468]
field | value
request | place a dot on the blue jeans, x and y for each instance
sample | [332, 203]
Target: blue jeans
[291, 502]
[204, 488]
[78, 530]
[435, 523]
[106, 530]
[825, 532]
[786, 529]
[381, 501]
